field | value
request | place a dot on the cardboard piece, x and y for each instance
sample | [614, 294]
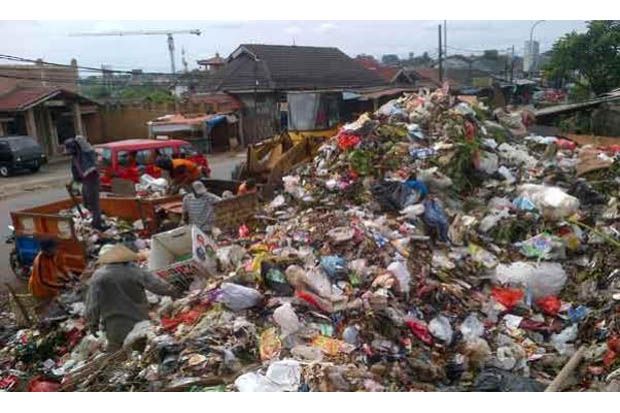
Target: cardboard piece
[181, 253]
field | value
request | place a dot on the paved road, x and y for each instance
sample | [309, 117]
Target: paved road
[47, 186]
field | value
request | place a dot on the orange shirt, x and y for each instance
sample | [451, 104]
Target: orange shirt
[49, 277]
[185, 171]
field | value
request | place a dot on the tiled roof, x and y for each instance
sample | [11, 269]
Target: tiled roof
[269, 67]
[22, 98]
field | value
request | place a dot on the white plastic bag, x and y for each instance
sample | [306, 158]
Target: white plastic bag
[472, 327]
[541, 279]
[440, 328]
[561, 340]
[402, 274]
[237, 297]
[284, 375]
[285, 317]
[551, 201]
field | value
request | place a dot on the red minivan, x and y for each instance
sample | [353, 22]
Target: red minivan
[131, 158]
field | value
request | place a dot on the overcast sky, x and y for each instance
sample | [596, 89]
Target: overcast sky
[50, 40]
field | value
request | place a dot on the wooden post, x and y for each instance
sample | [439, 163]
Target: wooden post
[558, 382]
[31, 125]
[77, 113]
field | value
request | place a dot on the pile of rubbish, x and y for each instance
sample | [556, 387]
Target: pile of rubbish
[427, 247]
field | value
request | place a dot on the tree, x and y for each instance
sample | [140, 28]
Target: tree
[390, 59]
[590, 59]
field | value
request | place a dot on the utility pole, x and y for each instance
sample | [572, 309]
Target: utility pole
[512, 63]
[440, 57]
[445, 46]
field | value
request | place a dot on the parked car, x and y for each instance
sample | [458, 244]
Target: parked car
[20, 153]
[128, 159]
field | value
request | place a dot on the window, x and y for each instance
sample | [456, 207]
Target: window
[187, 150]
[104, 157]
[133, 158]
[23, 143]
[165, 151]
[313, 111]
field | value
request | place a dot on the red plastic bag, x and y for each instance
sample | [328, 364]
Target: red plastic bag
[420, 331]
[189, 317]
[347, 141]
[39, 384]
[508, 297]
[8, 382]
[549, 305]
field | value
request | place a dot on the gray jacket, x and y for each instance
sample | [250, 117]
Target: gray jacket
[118, 290]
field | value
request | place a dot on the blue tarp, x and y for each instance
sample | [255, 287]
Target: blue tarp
[213, 122]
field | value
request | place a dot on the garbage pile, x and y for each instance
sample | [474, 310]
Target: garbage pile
[425, 248]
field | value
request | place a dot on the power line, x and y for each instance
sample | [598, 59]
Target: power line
[84, 68]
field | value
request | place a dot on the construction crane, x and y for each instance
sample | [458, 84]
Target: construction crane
[168, 33]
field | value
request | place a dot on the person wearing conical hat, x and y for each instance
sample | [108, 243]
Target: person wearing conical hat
[116, 295]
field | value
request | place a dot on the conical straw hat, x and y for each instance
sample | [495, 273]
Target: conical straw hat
[116, 254]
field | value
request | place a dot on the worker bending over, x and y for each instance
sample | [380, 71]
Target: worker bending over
[182, 171]
[116, 294]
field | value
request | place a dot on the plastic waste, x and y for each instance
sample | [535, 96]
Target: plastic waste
[491, 220]
[351, 335]
[494, 379]
[489, 162]
[335, 267]
[508, 297]
[506, 174]
[313, 280]
[544, 246]
[414, 131]
[551, 201]
[440, 328]
[549, 305]
[400, 271]
[284, 375]
[562, 340]
[577, 314]
[540, 279]
[142, 329]
[516, 156]
[420, 330]
[237, 297]
[435, 218]
[471, 328]
[482, 256]
[287, 319]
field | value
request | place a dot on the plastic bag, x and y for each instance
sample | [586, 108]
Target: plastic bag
[237, 297]
[287, 319]
[335, 267]
[561, 341]
[402, 274]
[541, 279]
[440, 328]
[549, 305]
[307, 353]
[508, 297]
[286, 374]
[544, 246]
[391, 195]
[435, 218]
[420, 330]
[143, 329]
[471, 328]
[551, 201]
[314, 280]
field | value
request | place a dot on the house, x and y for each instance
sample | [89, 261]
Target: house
[262, 77]
[394, 75]
[43, 102]
[212, 64]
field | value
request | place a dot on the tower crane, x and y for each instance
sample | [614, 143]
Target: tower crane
[168, 33]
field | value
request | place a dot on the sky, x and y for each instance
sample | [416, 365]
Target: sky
[51, 40]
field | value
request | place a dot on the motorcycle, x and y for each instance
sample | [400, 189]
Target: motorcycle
[20, 268]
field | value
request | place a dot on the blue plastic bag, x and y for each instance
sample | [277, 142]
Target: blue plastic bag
[435, 218]
[334, 266]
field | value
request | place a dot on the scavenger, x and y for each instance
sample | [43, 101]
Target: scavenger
[49, 276]
[116, 294]
[182, 171]
[198, 207]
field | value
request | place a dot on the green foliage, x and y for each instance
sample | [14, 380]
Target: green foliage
[591, 59]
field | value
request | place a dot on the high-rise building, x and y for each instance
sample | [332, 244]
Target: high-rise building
[530, 60]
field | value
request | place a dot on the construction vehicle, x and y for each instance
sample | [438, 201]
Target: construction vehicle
[312, 118]
[168, 33]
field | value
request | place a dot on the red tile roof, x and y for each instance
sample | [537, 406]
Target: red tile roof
[386, 72]
[20, 99]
